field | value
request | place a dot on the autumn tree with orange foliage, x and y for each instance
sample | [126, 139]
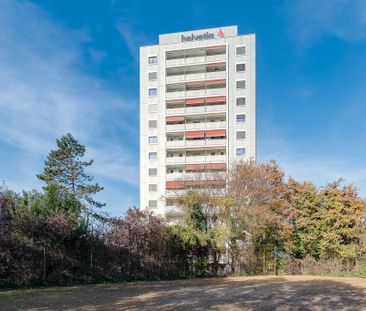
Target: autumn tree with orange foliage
[259, 213]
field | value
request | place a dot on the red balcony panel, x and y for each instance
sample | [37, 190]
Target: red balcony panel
[195, 101]
[175, 119]
[216, 99]
[195, 134]
[216, 166]
[195, 167]
[216, 133]
[175, 184]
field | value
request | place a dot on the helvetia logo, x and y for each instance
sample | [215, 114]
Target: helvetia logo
[220, 34]
[204, 36]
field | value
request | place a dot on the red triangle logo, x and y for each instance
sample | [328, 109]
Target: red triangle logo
[220, 34]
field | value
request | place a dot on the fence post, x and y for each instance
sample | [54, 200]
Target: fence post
[44, 263]
[91, 261]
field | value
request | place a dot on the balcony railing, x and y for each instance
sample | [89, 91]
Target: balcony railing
[195, 159]
[175, 143]
[193, 126]
[215, 142]
[175, 192]
[189, 176]
[195, 143]
[195, 76]
[205, 142]
[171, 210]
[195, 60]
[196, 93]
[199, 109]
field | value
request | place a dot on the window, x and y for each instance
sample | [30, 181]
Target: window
[153, 92]
[240, 118]
[153, 124]
[240, 50]
[240, 67]
[240, 84]
[153, 140]
[240, 152]
[153, 75]
[153, 156]
[153, 187]
[240, 135]
[240, 101]
[153, 203]
[153, 108]
[153, 60]
[153, 171]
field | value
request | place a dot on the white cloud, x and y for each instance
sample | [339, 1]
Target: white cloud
[131, 37]
[44, 93]
[311, 20]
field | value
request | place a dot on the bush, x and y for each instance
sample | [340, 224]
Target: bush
[333, 267]
[294, 267]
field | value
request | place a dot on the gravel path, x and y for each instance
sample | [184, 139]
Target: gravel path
[235, 293]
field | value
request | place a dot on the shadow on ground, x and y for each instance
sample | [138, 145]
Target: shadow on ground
[264, 293]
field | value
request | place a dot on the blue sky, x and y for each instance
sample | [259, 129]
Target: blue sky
[72, 66]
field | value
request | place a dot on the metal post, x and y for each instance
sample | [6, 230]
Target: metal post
[44, 263]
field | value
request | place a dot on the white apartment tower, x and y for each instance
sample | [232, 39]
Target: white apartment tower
[197, 110]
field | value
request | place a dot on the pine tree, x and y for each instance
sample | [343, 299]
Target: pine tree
[65, 167]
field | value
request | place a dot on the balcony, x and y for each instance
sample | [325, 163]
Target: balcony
[205, 142]
[195, 60]
[193, 126]
[175, 127]
[175, 160]
[195, 76]
[195, 93]
[206, 125]
[175, 143]
[175, 192]
[199, 109]
[216, 142]
[215, 108]
[195, 159]
[195, 72]
[180, 185]
[171, 211]
[182, 176]
[195, 109]
[177, 94]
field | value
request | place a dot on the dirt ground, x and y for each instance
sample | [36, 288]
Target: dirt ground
[234, 293]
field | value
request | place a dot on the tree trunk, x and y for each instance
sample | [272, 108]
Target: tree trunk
[276, 261]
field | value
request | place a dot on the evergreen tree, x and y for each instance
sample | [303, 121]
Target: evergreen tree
[65, 167]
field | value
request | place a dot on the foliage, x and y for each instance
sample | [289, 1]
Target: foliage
[329, 221]
[257, 224]
[258, 213]
[65, 167]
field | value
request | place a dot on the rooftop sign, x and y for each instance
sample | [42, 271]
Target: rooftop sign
[198, 35]
[205, 36]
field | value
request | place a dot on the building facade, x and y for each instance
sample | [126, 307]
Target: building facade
[197, 111]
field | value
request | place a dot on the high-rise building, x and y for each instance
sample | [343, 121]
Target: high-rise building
[197, 110]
